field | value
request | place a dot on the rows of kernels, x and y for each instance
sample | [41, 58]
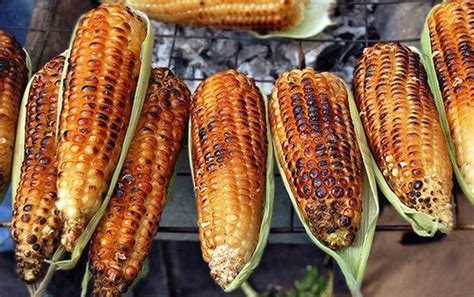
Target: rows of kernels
[99, 87]
[124, 235]
[13, 74]
[400, 119]
[229, 158]
[451, 35]
[259, 15]
[316, 145]
[35, 223]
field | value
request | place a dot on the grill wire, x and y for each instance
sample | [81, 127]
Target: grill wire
[366, 41]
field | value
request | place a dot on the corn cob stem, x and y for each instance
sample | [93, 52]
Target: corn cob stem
[36, 224]
[126, 231]
[400, 119]
[229, 149]
[315, 142]
[13, 75]
[451, 34]
[257, 15]
[102, 75]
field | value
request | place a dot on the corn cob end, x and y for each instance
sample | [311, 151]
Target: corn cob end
[225, 265]
[108, 285]
[71, 232]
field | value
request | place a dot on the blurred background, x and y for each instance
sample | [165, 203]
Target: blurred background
[401, 263]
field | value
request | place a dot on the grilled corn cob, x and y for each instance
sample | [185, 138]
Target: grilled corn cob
[400, 119]
[36, 224]
[257, 15]
[317, 149]
[229, 149]
[13, 73]
[125, 233]
[98, 94]
[451, 30]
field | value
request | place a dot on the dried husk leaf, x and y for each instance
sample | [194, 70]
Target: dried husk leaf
[252, 264]
[352, 260]
[316, 19]
[434, 85]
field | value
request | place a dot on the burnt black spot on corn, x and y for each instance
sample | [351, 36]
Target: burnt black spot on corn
[401, 122]
[123, 237]
[451, 31]
[13, 74]
[36, 224]
[316, 145]
[229, 155]
[102, 75]
[261, 15]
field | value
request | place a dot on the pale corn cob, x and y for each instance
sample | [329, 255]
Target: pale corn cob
[35, 223]
[399, 116]
[257, 15]
[229, 148]
[123, 238]
[451, 30]
[13, 73]
[98, 94]
[316, 145]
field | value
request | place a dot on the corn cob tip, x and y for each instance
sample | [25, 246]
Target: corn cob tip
[225, 265]
[29, 269]
[108, 285]
[71, 232]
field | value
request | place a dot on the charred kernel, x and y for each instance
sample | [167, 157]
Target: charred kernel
[312, 140]
[412, 156]
[345, 221]
[337, 192]
[321, 192]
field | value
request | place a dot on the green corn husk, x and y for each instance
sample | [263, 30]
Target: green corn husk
[20, 134]
[422, 224]
[58, 262]
[434, 85]
[352, 260]
[252, 264]
[315, 20]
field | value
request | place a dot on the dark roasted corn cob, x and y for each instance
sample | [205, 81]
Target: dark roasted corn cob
[36, 224]
[399, 116]
[229, 148]
[98, 95]
[258, 15]
[124, 236]
[13, 74]
[316, 145]
[451, 30]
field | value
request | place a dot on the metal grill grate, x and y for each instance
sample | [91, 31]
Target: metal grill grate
[50, 14]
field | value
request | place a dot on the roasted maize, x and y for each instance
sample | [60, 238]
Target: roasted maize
[451, 31]
[399, 116]
[100, 83]
[316, 146]
[36, 223]
[229, 149]
[257, 15]
[13, 75]
[124, 235]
